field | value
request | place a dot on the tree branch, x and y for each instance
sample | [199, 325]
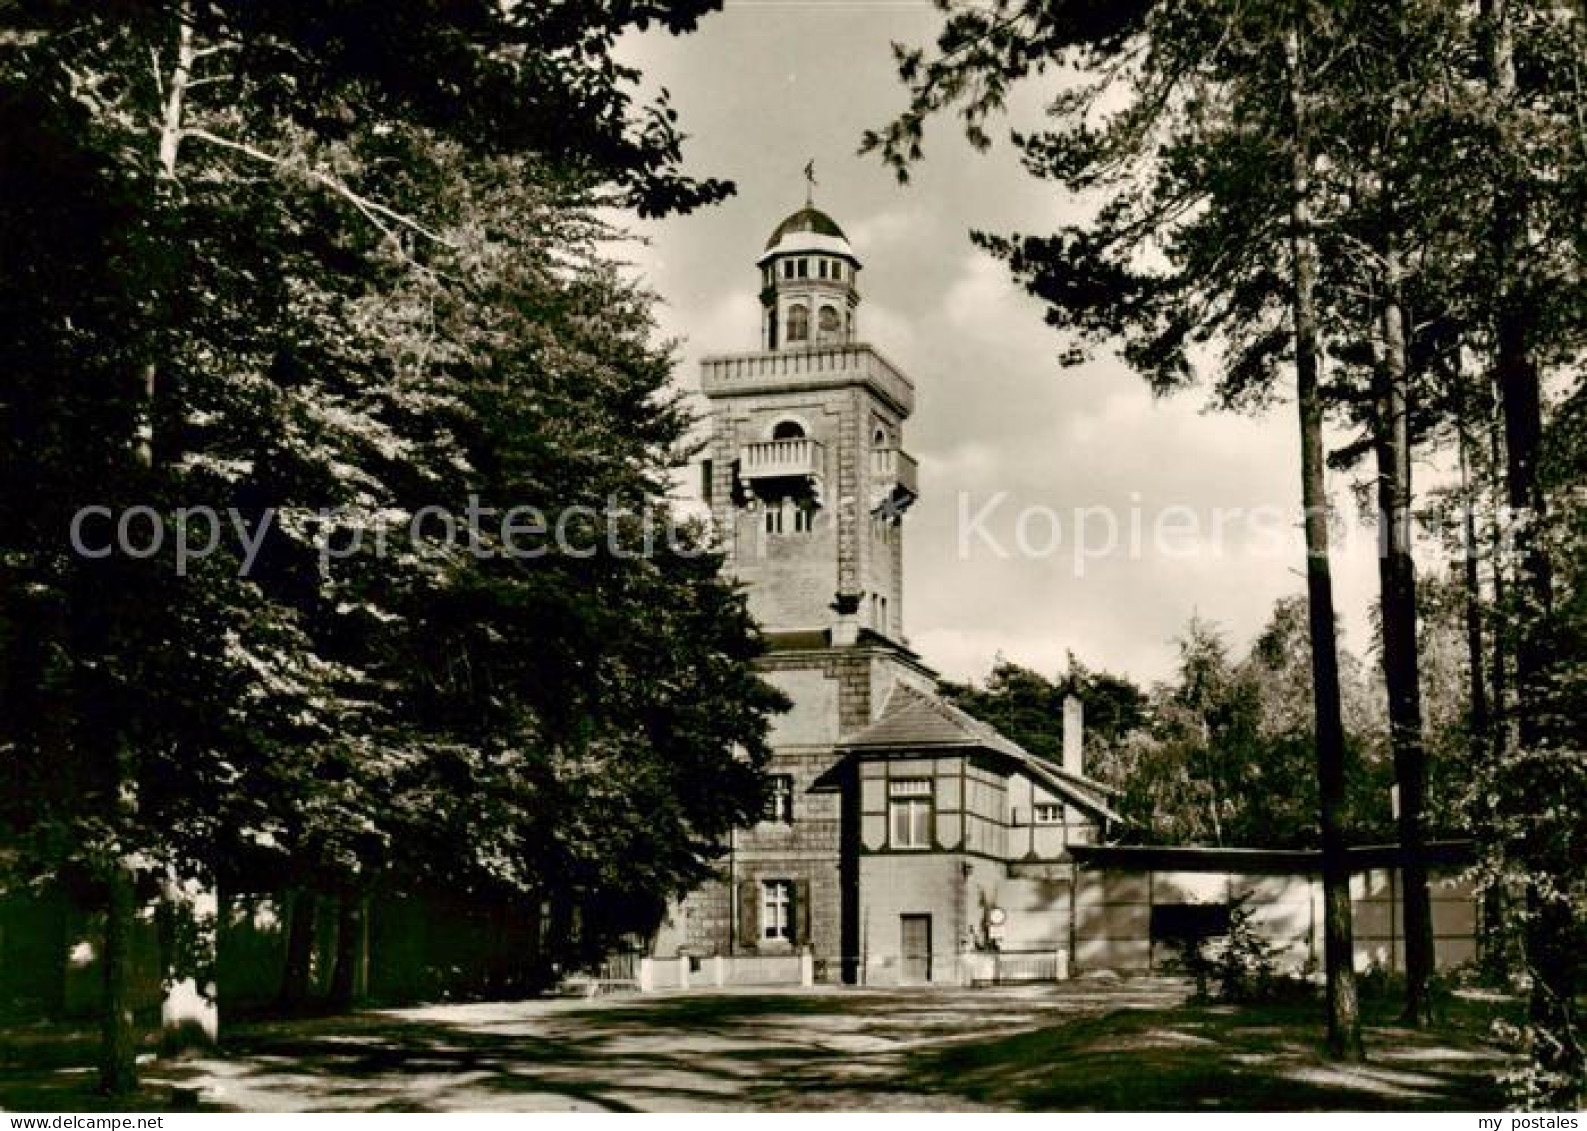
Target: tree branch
[372, 210]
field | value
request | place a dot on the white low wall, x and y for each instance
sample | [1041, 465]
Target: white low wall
[986, 968]
[762, 970]
[718, 971]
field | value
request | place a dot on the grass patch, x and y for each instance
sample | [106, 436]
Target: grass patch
[1221, 1057]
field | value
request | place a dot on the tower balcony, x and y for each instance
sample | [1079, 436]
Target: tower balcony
[895, 479]
[806, 369]
[773, 464]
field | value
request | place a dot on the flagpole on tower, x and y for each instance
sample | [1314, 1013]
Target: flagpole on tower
[810, 183]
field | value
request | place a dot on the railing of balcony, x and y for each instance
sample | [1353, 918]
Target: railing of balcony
[734, 372]
[780, 457]
[894, 468]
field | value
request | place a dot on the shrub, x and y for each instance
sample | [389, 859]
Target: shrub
[1237, 967]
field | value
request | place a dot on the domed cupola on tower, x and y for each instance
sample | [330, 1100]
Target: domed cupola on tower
[808, 297]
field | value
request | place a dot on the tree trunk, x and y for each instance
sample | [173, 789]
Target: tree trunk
[349, 980]
[175, 89]
[118, 1067]
[1215, 801]
[1516, 377]
[533, 960]
[1523, 434]
[1551, 927]
[1490, 939]
[1500, 704]
[1471, 579]
[297, 975]
[1344, 1019]
[1508, 954]
[1397, 578]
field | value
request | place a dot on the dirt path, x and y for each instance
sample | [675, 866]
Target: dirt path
[704, 1051]
[1131, 1045]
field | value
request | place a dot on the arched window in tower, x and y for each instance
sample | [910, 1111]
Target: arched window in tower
[788, 430]
[828, 325]
[798, 323]
[879, 437]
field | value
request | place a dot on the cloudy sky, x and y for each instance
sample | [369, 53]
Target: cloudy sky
[1001, 431]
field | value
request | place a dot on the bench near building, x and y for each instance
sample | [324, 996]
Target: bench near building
[906, 842]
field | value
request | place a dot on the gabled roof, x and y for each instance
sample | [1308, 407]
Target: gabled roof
[912, 718]
[916, 720]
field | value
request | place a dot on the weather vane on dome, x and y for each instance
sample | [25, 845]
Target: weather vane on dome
[810, 182]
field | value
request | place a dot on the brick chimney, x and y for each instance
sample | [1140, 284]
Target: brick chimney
[1074, 735]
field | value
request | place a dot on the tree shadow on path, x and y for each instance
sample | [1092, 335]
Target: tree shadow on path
[1075, 1046]
[1260, 1058]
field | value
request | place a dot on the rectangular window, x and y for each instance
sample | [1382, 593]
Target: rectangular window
[910, 809]
[804, 268]
[773, 520]
[776, 910]
[1173, 922]
[804, 520]
[1047, 814]
[787, 268]
[779, 804]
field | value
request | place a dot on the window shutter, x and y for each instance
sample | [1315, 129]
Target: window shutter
[800, 912]
[749, 914]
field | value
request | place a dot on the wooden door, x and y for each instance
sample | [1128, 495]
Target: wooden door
[915, 948]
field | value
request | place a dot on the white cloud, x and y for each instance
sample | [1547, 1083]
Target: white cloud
[882, 232]
[981, 297]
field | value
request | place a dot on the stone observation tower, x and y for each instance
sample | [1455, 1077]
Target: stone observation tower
[808, 479]
[892, 815]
